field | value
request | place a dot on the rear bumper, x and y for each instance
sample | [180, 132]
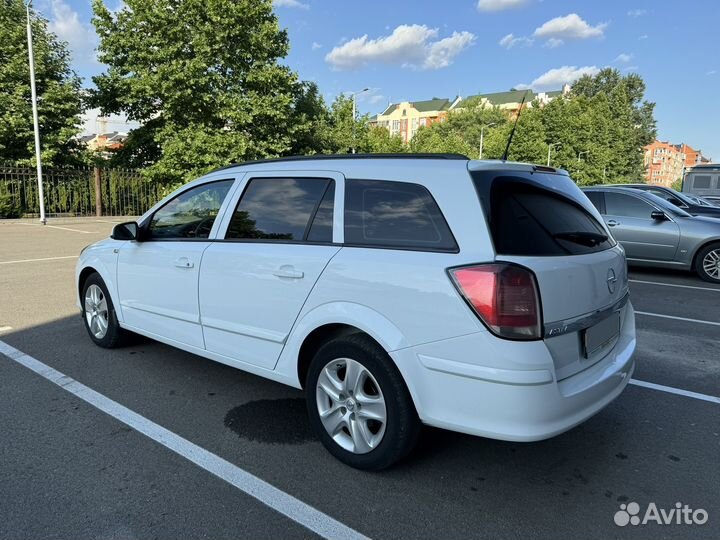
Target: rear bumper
[525, 403]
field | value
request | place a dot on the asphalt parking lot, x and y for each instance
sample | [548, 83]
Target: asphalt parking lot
[68, 469]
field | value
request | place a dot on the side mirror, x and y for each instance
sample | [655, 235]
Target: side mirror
[125, 231]
[657, 215]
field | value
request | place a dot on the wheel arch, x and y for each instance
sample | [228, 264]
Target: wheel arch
[702, 246]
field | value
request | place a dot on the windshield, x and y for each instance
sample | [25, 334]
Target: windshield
[666, 206]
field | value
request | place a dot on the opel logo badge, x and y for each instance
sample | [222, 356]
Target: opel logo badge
[611, 280]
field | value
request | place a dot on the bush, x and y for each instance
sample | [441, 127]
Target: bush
[8, 208]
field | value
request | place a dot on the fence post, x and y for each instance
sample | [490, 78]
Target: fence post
[98, 192]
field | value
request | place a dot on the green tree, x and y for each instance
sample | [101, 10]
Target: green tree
[58, 89]
[203, 78]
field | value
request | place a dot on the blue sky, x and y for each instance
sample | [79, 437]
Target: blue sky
[414, 50]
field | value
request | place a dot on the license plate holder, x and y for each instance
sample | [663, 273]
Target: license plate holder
[599, 335]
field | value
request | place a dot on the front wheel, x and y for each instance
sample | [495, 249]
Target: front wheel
[99, 314]
[359, 405]
[707, 263]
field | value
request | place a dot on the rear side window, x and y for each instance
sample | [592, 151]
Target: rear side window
[283, 209]
[701, 181]
[596, 197]
[525, 219]
[394, 214]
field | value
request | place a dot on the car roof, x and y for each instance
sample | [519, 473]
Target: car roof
[612, 187]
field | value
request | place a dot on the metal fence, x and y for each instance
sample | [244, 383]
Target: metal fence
[90, 191]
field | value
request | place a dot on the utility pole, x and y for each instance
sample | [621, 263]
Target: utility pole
[33, 94]
[482, 133]
[550, 147]
[581, 153]
[354, 114]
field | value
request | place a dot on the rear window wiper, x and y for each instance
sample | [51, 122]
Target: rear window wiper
[584, 238]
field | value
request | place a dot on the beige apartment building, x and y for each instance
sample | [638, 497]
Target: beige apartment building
[403, 119]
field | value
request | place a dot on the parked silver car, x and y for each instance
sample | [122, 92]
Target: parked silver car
[654, 232]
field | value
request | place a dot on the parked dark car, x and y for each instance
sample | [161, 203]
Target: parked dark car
[678, 199]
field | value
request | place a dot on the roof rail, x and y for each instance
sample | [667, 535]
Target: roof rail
[320, 157]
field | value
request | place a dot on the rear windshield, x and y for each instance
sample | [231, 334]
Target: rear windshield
[526, 219]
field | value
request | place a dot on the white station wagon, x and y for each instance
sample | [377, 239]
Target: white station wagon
[484, 297]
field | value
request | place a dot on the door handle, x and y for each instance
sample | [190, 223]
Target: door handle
[612, 223]
[184, 262]
[288, 271]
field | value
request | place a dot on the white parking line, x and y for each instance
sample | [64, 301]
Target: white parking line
[42, 259]
[278, 500]
[58, 227]
[5, 328]
[673, 285]
[675, 318]
[678, 391]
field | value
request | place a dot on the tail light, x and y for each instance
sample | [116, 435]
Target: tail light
[504, 296]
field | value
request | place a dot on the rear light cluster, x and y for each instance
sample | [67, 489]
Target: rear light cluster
[504, 296]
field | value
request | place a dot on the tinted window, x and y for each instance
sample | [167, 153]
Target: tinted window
[528, 220]
[191, 214]
[596, 197]
[394, 214]
[701, 181]
[669, 197]
[277, 208]
[620, 204]
[321, 229]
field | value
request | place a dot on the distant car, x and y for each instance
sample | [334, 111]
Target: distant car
[485, 297]
[681, 200]
[715, 201]
[698, 200]
[657, 233]
[702, 180]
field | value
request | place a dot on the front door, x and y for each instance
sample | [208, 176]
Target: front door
[640, 235]
[254, 282]
[158, 276]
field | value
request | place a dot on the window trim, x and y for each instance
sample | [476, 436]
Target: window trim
[280, 176]
[144, 225]
[454, 249]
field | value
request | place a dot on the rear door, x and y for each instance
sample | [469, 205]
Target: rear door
[642, 237]
[274, 244]
[545, 223]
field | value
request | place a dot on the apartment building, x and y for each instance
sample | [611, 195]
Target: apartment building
[664, 163]
[406, 117]
[692, 157]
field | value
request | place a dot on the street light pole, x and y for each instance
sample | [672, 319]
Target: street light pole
[354, 114]
[33, 95]
[482, 133]
[550, 147]
[581, 153]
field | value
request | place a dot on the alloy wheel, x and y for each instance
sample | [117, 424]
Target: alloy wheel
[711, 263]
[351, 405]
[96, 311]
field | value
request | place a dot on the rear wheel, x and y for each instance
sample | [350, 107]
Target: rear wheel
[359, 405]
[707, 263]
[99, 314]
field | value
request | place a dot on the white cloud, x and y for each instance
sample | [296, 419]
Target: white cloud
[623, 58]
[290, 4]
[377, 98]
[630, 68]
[316, 46]
[571, 26]
[499, 5]
[553, 42]
[555, 78]
[644, 36]
[711, 72]
[65, 23]
[408, 46]
[509, 41]
[637, 12]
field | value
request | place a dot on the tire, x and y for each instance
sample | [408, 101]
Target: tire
[379, 388]
[95, 296]
[707, 263]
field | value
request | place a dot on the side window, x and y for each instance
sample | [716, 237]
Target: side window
[394, 214]
[191, 214]
[282, 209]
[598, 200]
[620, 204]
[321, 228]
[701, 181]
